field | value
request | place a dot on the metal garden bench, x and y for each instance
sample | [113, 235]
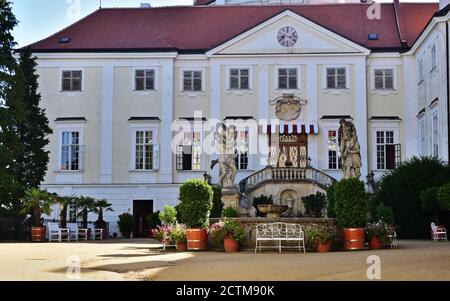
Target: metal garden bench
[280, 232]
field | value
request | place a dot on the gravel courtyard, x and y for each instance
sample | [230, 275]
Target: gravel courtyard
[143, 260]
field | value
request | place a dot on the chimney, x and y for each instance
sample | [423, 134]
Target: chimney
[443, 3]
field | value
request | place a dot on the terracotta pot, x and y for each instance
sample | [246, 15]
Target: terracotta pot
[354, 238]
[38, 234]
[181, 247]
[230, 245]
[197, 239]
[321, 248]
[375, 243]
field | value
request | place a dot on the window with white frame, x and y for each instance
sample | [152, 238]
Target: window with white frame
[433, 57]
[192, 80]
[384, 79]
[334, 155]
[241, 150]
[188, 155]
[71, 80]
[422, 138]
[145, 150]
[287, 79]
[435, 134]
[70, 151]
[239, 79]
[388, 153]
[144, 79]
[336, 78]
[420, 74]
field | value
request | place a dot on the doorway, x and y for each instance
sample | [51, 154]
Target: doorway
[293, 150]
[141, 209]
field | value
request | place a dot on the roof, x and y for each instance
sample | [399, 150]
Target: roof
[203, 2]
[193, 29]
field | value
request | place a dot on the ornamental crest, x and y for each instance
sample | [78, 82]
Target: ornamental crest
[288, 106]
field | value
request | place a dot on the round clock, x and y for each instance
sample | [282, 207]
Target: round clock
[287, 36]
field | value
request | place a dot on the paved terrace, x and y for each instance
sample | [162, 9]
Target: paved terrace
[140, 259]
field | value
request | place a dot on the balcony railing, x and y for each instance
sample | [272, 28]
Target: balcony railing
[285, 174]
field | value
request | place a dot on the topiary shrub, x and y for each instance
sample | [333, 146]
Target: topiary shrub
[314, 204]
[400, 190]
[429, 202]
[385, 214]
[443, 197]
[229, 212]
[153, 220]
[195, 203]
[259, 200]
[351, 203]
[126, 224]
[169, 215]
[331, 201]
[217, 207]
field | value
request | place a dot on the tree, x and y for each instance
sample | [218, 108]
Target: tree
[429, 202]
[36, 202]
[86, 205]
[64, 202]
[98, 208]
[443, 197]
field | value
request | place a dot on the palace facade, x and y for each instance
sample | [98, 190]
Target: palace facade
[117, 84]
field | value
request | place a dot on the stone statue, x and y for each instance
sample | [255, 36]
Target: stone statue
[225, 143]
[350, 150]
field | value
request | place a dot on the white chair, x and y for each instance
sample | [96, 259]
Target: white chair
[438, 233]
[76, 233]
[393, 239]
[96, 233]
[55, 233]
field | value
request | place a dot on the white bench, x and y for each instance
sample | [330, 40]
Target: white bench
[280, 232]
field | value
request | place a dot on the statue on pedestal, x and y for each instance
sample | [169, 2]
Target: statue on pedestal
[350, 150]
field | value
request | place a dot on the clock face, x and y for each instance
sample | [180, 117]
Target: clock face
[287, 36]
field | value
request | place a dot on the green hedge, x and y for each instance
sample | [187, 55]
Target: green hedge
[350, 203]
[195, 203]
[217, 207]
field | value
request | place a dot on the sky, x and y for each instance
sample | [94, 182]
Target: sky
[40, 19]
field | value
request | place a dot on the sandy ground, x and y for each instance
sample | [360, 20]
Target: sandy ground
[143, 260]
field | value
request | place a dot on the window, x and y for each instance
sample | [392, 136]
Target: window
[420, 70]
[144, 80]
[435, 132]
[188, 155]
[384, 79]
[241, 150]
[336, 78]
[71, 81]
[287, 78]
[70, 151]
[433, 57]
[388, 153]
[192, 81]
[239, 79]
[144, 150]
[422, 134]
[334, 156]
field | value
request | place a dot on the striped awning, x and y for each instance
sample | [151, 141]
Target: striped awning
[284, 127]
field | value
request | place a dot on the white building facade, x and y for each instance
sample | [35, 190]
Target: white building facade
[116, 98]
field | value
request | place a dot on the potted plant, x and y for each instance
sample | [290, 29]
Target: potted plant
[261, 200]
[234, 233]
[98, 207]
[64, 203]
[195, 206]
[322, 236]
[351, 211]
[126, 224]
[314, 204]
[168, 216]
[37, 202]
[179, 237]
[163, 233]
[377, 234]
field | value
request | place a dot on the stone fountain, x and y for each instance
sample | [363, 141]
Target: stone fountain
[273, 211]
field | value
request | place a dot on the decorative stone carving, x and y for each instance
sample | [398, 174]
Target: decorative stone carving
[350, 149]
[288, 106]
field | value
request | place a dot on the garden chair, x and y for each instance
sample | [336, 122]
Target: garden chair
[55, 233]
[76, 233]
[438, 232]
[393, 239]
[96, 233]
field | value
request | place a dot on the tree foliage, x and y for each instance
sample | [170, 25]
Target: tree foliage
[195, 203]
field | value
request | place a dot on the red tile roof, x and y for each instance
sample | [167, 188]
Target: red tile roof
[200, 28]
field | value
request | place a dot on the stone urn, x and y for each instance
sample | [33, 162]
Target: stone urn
[273, 211]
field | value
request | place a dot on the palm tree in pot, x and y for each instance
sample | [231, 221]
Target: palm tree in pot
[64, 203]
[85, 205]
[37, 202]
[101, 206]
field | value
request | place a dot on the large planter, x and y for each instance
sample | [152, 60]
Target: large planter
[354, 238]
[321, 248]
[230, 245]
[38, 234]
[181, 247]
[375, 243]
[197, 239]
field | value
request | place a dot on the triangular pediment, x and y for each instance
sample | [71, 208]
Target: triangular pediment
[312, 39]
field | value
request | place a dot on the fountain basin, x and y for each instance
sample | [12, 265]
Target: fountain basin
[273, 211]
